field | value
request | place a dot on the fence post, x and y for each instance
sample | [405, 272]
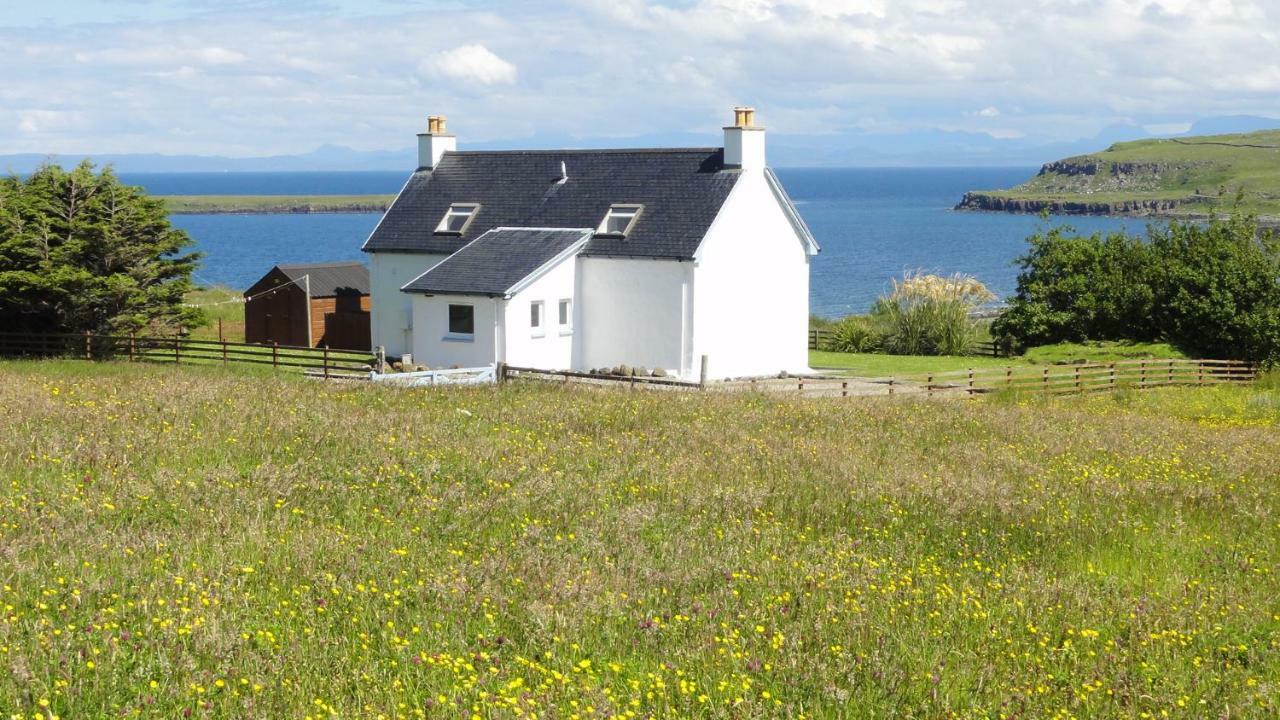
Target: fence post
[844, 387]
[177, 352]
[702, 374]
[1142, 377]
[970, 382]
[88, 344]
[1078, 378]
[380, 360]
[275, 354]
[928, 385]
[1200, 372]
[326, 361]
[133, 341]
[1044, 387]
[1170, 372]
[1008, 377]
[499, 370]
[1112, 376]
[220, 335]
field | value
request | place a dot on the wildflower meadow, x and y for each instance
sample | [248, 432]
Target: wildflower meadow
[194, 542]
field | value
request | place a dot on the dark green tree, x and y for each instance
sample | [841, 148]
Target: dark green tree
[1218, 289]
[1213, 290]
[1074, 288]
[79, 251]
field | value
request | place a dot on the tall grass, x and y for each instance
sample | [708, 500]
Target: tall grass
[191, 542]
[929, 314]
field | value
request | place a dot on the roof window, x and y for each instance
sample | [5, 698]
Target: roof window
[619, 220]
[457, 218]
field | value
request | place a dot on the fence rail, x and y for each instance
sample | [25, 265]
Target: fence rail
[820, 339]
[321, 362]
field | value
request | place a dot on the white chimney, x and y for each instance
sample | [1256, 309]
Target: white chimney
[435, 142]
[743, 141]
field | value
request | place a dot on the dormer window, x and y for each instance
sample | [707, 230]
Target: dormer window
[457, 218]
[619, 220]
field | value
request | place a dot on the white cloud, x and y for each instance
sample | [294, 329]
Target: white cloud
[219, 82]
[470, 63]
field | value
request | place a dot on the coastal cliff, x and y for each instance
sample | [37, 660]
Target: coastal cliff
[1179, 177]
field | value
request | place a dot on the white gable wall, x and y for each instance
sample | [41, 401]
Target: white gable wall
[431, 328]
[751, 309]
[552, 348]
[390, 312]
[632, 312]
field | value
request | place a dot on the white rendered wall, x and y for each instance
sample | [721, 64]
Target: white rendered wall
[751, 280]
[390, 312]
[552, 349]
[431, 326]
[632, 312]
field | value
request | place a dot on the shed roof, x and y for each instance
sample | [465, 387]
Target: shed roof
[495, 263]
[681, 190]
[329, 279]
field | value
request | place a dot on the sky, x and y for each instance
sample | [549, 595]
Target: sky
[266, 77]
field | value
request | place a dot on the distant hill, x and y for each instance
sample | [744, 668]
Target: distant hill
[1195, 176]
[849, 148]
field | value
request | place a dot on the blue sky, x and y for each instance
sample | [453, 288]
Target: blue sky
[261, 77]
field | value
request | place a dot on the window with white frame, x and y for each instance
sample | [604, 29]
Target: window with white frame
[462, 322]
[620, 220]
[564, 311]
[535, 318]
[457, 218]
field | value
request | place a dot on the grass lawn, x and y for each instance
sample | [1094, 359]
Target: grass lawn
[201, 541]
[881, 365]
[219, 303]
[199, 204]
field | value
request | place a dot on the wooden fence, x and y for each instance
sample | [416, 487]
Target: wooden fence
[321, 362]
[1047, 380]
[819, 338]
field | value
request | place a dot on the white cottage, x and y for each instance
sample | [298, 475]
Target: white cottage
[580, 259]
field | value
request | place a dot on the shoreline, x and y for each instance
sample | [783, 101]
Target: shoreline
[977, 202]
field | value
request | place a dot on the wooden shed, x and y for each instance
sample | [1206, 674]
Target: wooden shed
[311, 305]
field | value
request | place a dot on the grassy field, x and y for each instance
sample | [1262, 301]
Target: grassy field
[1206, 172]
[880, 365]
[204, 543]
[203, 204]
[220, 303]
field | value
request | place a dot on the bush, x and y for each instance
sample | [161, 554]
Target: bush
[1211, 290]
[929, 314]
[853, 334]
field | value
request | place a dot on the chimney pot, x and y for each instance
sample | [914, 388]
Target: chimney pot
[435, 142]
[744, 141]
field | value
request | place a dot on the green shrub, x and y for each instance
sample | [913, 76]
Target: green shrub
[1211, 290]
[929, 314]
[853, 334]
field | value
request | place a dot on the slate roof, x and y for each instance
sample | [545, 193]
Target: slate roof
[330, 279]
[682, 191]
[497, 261]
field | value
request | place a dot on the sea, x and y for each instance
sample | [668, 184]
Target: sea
[873, 224]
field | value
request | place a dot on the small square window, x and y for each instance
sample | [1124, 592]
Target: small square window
[566, 307]
[457, 218]
[462, 320]
[619, 220]
[535, 317]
